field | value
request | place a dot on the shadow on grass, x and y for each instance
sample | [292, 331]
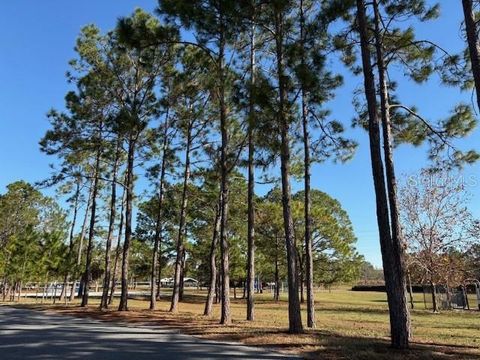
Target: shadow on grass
[313, 344]
[333, 346]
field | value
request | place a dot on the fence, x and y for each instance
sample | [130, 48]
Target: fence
[452, 298]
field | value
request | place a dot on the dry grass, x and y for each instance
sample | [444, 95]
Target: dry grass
[350, 325]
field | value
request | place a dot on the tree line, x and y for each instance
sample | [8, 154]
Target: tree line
[189, 100]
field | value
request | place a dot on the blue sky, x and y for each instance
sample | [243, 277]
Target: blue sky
[36, 43]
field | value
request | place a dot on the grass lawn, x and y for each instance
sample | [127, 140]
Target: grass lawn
[350, 325]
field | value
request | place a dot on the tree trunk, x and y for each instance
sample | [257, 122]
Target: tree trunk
[159, 282]
[308, 266]
[13, 290]
[111, 224]
[276, 296]
[154, 287]
[213, 265]
[473, 46]
[123, 306]
[91, 231]
[434, 297]
[45, 288]
[54, 293]
[449, 297]
[217, 288]
[410, 292]
[182, 226]
[4, 288]
[307, 200]
[117, 249]
[64, 288]
[301, 276]
[399, 298]
[251, 186]
[181, 288]
[294, 315]
[225, 318]
[465, 297]
[399, 317]
[84, 224]
[63, 295]
[82, 237]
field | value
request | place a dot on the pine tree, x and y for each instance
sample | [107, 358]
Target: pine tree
[392, 263]
[384, 41]
[134, 66]
[279, 10]
[155, 284]
[191, 121]
[321, 136]
[471, 30]
[215, 24]
[111, 224]
[250, 281]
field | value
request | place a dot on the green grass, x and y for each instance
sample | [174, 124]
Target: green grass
[350, 325]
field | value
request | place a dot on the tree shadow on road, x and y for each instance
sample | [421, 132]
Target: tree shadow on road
[315, 344]
[29, 335]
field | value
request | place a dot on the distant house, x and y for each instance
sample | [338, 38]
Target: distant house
[187, 282]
